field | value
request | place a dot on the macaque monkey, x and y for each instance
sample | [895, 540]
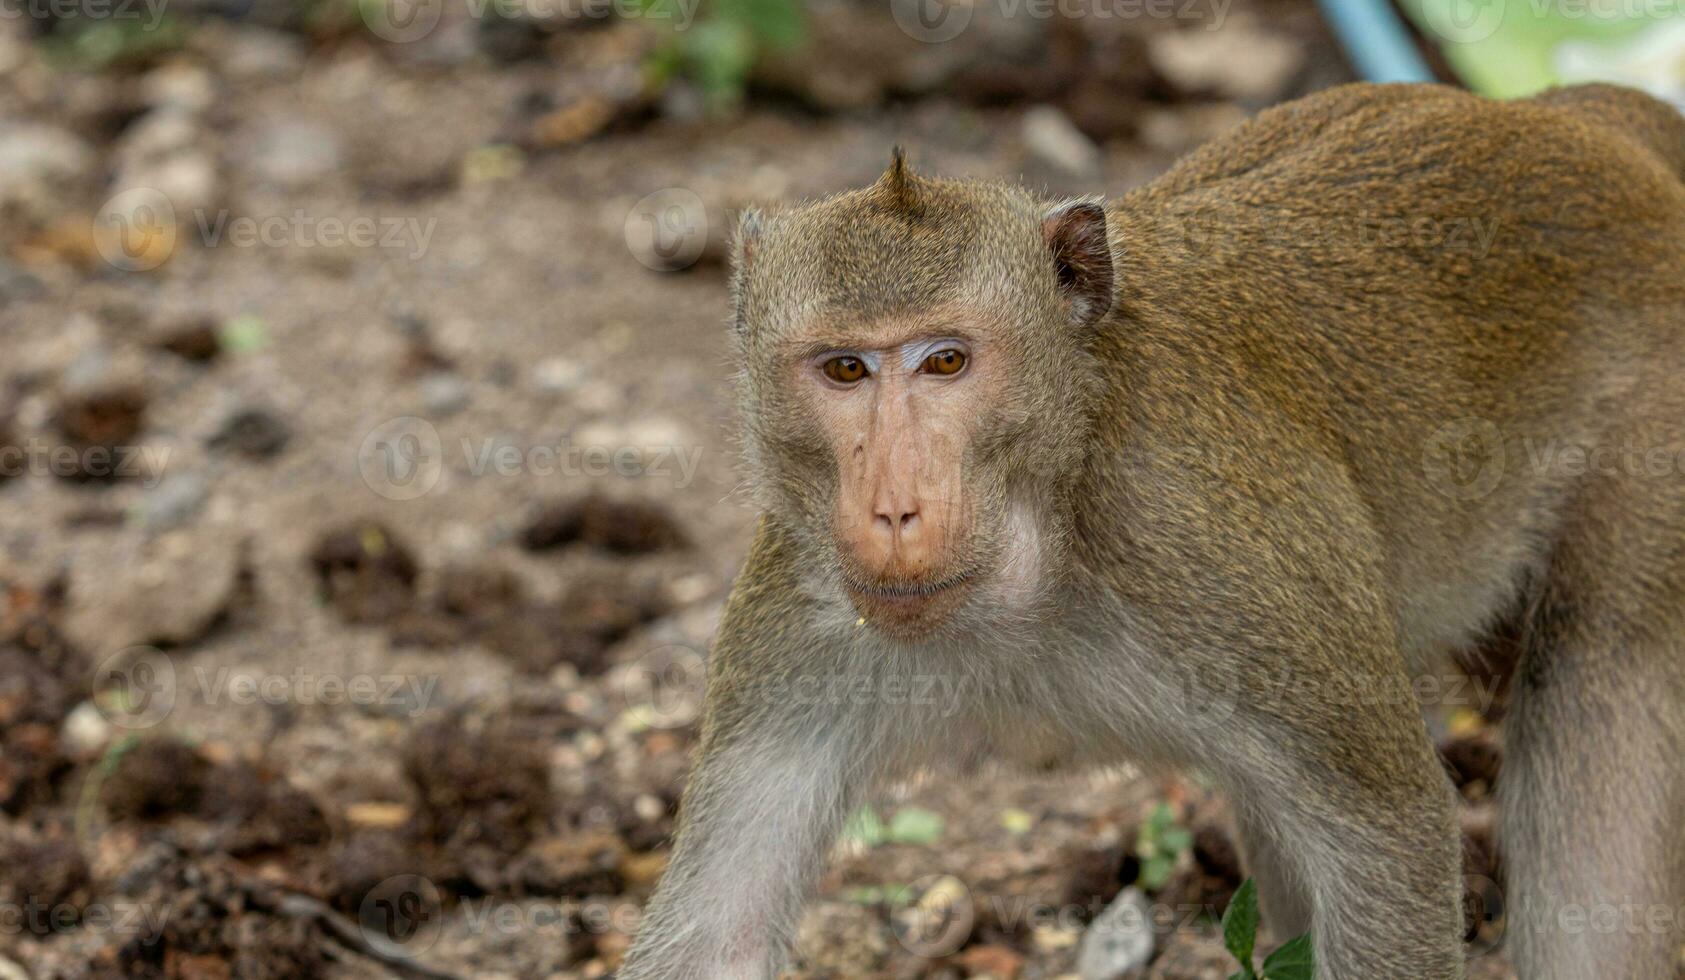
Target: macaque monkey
[1204, 477]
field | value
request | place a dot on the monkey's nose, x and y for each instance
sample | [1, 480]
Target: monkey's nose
[897, 520]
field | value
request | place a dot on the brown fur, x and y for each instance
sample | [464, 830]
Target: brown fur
[1304, 456]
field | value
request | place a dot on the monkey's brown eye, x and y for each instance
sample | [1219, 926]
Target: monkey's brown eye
[845, 370]
[944, 362]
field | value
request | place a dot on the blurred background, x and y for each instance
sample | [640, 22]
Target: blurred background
[367, 494]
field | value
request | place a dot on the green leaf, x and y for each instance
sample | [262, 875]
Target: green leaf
[1295, 960]
[1156, 872]
[1240, 924]
[915, 825]
[865, 828]
[243, 333]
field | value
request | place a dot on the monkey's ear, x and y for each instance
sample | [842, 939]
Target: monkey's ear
[1075, 233]
[743, 248]
[744, 243]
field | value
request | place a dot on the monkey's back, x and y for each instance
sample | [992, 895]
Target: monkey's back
[1368, 269]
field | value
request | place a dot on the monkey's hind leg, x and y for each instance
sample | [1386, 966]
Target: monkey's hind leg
[1593, 787]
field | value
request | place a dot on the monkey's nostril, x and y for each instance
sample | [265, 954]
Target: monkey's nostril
[908, 519]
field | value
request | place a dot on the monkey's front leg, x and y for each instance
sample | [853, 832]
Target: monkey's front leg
[1357, 817]
[758, 817]
[784, 761]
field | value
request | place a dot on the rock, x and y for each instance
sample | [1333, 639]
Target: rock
[1242, 61]
[179, 85]
[1052, 139]
[166, 151]
[1185, 127]
[1119, 940]
[42, 167]
[172, 596]
[252, 431]
[294, 153]
[445, 393]
[260, 54]
[174, 502]
[17, 285]
[85, 732]
[842, 939]
[557, 375]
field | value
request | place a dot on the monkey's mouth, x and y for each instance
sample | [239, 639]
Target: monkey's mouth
[907, 610]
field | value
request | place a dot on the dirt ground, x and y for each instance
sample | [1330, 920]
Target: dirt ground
[356, 583]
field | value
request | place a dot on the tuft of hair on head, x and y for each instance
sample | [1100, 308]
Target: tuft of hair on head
[895, 188]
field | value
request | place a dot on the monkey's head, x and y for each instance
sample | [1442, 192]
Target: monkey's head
[917, 374]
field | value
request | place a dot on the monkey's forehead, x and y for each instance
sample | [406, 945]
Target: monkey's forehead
[854, 256]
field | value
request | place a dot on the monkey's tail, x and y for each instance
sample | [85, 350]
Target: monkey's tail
[1657, 125]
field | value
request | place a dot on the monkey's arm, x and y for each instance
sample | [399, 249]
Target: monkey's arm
[781, 767]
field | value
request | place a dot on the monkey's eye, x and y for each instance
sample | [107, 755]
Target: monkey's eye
[845, 370]
[944, 362]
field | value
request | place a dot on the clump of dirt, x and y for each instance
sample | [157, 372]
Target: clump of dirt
[365, 572]
[483, 795]
[626, 527]
[194, 340]
[11, 463]
[46, 883]
[255, 433]
[365, 859]
[1473, 760]
[41, 678]
[219, 925]
[488, 604]
[98, 424]
[574, 866]
[264, 811]
[154, 779]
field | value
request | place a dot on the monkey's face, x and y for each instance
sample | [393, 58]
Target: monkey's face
[916, 366]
